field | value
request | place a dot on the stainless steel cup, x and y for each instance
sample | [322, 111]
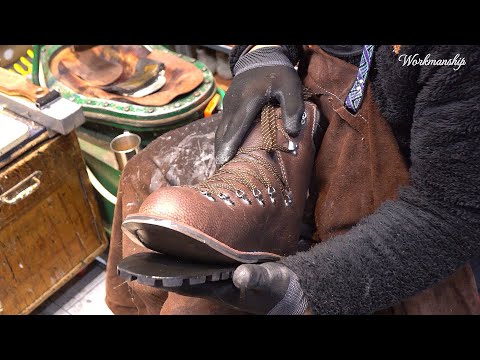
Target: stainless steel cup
[125, 146]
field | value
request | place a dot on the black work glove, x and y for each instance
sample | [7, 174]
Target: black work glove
[269, 288]
[261, 76]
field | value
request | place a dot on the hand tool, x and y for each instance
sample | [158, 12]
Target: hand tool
[45, 107]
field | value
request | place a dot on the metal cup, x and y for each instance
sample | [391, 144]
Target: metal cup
[125, 146]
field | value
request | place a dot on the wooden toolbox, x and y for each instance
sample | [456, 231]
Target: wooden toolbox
[50, 228]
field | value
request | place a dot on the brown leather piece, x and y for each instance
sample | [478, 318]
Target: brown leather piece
[82, 47]
[455, 295]
[181, 76]
[182, 305]
[272, 228]
[359, 166]
[92, 68]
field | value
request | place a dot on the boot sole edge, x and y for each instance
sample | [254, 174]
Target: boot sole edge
[196, 245]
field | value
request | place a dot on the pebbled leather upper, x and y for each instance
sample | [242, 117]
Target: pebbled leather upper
[271, 228]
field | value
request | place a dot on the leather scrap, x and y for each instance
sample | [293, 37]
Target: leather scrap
[90, 67]
[181, 76]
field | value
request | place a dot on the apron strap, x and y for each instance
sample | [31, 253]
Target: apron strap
[355, 95]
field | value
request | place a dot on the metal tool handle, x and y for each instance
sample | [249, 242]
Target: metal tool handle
[22, 190]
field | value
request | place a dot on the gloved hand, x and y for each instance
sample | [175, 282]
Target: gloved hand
[269, 288]
[261, 76]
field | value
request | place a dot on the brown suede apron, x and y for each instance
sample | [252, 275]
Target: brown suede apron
[358, 167]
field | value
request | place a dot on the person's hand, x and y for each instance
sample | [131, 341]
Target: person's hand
[269, 288]
[261, 76]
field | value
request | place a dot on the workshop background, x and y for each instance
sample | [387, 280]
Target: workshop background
[71, 116]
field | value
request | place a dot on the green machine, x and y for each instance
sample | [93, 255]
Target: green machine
[107, 118]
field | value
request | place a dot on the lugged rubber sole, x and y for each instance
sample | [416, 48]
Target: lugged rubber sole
[160, 270]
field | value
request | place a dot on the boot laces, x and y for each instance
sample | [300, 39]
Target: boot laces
[228, 179]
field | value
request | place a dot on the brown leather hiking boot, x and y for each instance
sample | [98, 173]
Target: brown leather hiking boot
[249, 211]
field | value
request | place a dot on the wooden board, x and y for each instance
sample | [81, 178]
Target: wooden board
[50, 233]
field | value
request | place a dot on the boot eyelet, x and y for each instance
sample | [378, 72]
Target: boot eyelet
[241, 195]
[288, 198]
[271, 193]
[304, 118]
[292, 147]
[258, 195]
[226, 199]
[208, 195]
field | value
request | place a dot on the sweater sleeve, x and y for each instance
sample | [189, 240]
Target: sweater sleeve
[433, 229]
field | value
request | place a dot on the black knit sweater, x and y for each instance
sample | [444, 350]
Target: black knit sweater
[433, 229]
